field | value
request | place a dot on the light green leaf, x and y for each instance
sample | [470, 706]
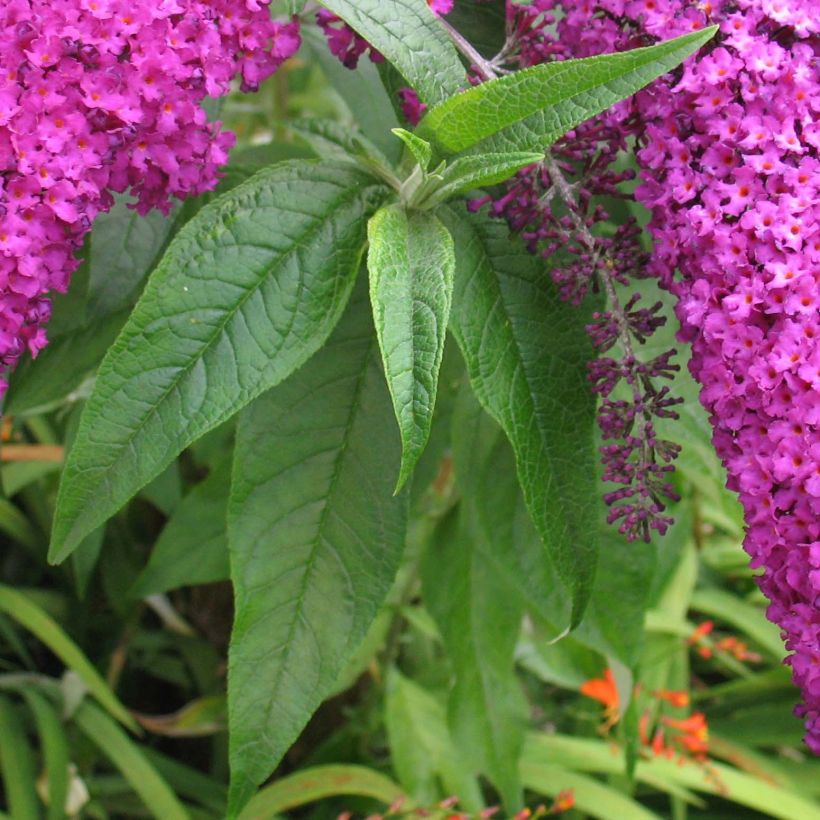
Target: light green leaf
[479, 617]
[318, 783]
[316, 537]
[468, 173]
[590, 795]
[193, 547]
[526, 354]
[421, 748]
[530, 109]
[54, 746]
[411, 263]
[42, 626]
[17, 765]
[407, 34]
[419, 148]
[726, 782]
[131, 762]
[246, 293]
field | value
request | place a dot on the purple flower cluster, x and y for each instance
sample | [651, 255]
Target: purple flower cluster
[102, 96]
[557, 208]
[348, 46]
[730, 163]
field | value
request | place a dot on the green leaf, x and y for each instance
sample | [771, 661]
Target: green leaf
[407, 33]
[42, 626]
[362, 91]
[316, 537]
[131, 762]
[332, 140]
[193, 547]
[17, 765]
[246, 293]
[590, 795]
[54, 745]
[530, 109]
[421, 748]
[419, 148]
[468, 173]
[318, 783]
[411, 263]
[526, 354]
[726, 782]
[479, 617]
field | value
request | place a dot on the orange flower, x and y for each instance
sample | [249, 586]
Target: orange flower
[603, 690]
[564, 801]
[701, 631]
[676, 698]
[694, 733]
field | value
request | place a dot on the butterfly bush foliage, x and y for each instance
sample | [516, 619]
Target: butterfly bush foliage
[311, 302]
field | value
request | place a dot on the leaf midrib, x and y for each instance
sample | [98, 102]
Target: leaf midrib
[124, 446]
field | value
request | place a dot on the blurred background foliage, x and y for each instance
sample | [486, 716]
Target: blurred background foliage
[670, 700]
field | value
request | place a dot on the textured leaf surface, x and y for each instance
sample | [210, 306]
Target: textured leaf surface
[504, 533]
[480, 621]
[526, 355]
[245, 294]
[193, 547]
[549, 99]
[469, 173]
[407, 33]
[411, 263]
[316, 536]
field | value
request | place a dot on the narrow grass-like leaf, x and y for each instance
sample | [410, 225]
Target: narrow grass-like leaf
[526, 355]
[17, 765]
[726, 782]
[530, 109]
[318, 783]
[42, 626]
[132, 763]
[407, 34]
[315, 535]
[245, 294]
[54, 746]
[411, 262]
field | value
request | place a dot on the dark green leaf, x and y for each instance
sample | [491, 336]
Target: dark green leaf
[17, 765]
[245, 294]
[479, 617]
[407, 34]
[193, 547]
[530, 109]
[316, 537]
[526, 354]
[411, 262]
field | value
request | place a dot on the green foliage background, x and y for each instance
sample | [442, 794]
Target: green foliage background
[426, 629]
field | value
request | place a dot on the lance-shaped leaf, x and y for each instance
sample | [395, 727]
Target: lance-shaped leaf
[407, 33]
[411, 262]
[316, 536]
[530, 109]
[476, 171]
[526, 354]
[245, 294]
[479, 616]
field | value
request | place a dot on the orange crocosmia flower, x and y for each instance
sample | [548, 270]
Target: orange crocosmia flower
[694, 732]
[564, 801]
[701, 631]
[603, 690]
[674, 697]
